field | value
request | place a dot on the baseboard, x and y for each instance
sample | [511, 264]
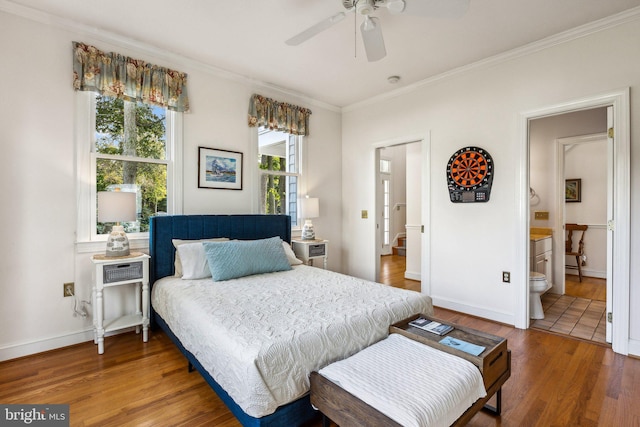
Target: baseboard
[34, 347]
[634, 348]
[496, 316]
[413, 275]
[573, 271]
[27, 349]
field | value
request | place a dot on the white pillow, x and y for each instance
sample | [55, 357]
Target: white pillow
[291, 256]
[200, 257]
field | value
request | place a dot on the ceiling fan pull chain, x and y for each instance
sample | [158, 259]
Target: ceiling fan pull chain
[355, 33]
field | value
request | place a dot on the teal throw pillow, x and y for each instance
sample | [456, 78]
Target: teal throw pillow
[239, 258]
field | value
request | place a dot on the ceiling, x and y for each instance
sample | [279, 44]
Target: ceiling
[246, 37]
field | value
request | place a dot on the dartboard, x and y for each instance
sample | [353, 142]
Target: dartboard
[469, 175]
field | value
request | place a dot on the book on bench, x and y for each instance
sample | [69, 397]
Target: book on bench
[431, 326]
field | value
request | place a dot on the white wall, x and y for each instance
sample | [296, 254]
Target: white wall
[38, 180]
[471, 244]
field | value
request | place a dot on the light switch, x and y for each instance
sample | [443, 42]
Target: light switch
[541, 215]
[365, 214]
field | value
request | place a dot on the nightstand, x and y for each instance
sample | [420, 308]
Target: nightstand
[308, 250]
[117, 271]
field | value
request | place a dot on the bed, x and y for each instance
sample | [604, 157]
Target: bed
[256, 338]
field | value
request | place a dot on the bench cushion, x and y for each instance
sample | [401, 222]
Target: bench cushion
[411, 383]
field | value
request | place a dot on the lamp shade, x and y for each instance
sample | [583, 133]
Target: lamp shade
[310, 207]
[116, 206]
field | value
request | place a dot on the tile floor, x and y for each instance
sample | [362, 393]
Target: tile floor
[577, 317]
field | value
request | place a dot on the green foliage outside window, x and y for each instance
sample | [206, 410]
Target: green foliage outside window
[135, 130]
[274, 197]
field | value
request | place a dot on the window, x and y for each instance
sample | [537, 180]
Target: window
[279, 170]
[130, 155]
[385, 174]
[125, 146]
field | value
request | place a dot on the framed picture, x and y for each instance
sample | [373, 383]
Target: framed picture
[220, 169]
[573, 190]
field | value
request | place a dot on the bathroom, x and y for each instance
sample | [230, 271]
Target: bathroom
[573, 147]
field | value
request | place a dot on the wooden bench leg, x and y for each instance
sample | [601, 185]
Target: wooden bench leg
[495, 410]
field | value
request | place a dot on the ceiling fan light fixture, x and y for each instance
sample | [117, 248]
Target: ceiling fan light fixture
[368, 24]
[365, 7]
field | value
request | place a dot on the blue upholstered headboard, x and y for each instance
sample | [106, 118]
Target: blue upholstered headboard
[162, 229]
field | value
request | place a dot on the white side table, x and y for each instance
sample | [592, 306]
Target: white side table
[308, 250]
[118, 271]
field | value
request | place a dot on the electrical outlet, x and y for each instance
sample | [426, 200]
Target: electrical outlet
[69, 289]
[506, 277]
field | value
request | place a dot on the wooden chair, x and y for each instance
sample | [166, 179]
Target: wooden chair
[568, 245]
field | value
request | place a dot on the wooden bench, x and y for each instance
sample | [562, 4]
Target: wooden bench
[494, 364]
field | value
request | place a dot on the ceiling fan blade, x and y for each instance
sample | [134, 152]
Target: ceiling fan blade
[316, 29]
[436, 8]
[372, 39]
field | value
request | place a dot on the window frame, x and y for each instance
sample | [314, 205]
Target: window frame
[301, 140]
[87, 239]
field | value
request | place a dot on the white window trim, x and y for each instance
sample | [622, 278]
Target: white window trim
[256, 174]
[87, 241]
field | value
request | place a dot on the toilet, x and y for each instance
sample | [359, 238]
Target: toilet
[538, 285]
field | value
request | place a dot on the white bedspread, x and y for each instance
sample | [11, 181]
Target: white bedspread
[260, 336]
[413, 384]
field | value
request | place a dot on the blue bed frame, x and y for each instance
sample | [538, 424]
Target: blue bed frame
[162, 230]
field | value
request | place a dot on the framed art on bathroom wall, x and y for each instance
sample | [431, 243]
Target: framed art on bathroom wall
[573, 190]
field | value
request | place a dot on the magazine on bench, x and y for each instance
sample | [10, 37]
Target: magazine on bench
[431, 326]
[467, 347]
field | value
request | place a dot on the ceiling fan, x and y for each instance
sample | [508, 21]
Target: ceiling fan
[370, 28]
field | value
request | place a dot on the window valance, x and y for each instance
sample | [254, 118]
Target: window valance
[130, 79]
[279, 116]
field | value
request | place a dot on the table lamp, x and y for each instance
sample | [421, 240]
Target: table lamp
[310, 208]
[117, 206]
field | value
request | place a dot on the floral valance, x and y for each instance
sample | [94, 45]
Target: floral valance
[278, 115]
[131, 79]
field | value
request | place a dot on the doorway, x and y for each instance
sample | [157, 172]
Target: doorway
[401, 189]
[618, 115]
[576, 305]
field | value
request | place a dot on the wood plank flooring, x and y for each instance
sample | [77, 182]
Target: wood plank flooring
[556, 381]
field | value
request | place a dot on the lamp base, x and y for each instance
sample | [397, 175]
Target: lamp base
[307, 231]
[117, 243]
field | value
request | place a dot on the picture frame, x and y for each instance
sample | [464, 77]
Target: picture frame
[573, 190]
[219, 169]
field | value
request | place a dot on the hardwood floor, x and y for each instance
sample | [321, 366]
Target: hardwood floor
[392, 268]
[591, 288]
[556, 381]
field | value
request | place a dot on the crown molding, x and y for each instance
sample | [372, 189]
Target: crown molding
[546, 43]
[154, 51]
[119, 40]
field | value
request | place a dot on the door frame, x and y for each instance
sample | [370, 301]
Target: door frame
[619, 100]
[425, 145]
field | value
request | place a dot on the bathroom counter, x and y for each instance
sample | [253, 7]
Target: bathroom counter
[539, 233]
[538, 237]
